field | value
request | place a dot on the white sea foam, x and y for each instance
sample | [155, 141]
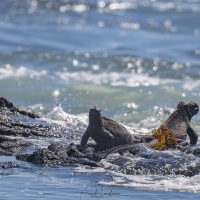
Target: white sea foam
[191, 84]
[73, 124]
[149, 122]
[150, 182]
[154, 182]
[9, 71]
[113, 78]
[58, 114]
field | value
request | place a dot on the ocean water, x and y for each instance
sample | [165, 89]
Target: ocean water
[135, 59]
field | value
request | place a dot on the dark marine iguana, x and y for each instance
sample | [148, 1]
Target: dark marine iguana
[107, 133]
[178, 122]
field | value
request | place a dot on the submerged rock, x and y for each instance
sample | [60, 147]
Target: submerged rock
[57, 154]
[10, 146]
[154, 162]
[9, 164]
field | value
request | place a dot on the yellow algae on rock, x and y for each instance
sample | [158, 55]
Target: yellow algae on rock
[166, 138]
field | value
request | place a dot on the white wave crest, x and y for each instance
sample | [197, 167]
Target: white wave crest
[9, 71]
[191, 84]
[59, 114]
[113, 78]
[153, 182]
[71, 122]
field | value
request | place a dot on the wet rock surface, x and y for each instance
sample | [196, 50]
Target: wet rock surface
[57, 154]
[155, 162]
[10, 146]
[16, 122]
[9, 164]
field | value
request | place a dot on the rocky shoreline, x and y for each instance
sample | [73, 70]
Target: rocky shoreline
[13, 123]
[16, 125]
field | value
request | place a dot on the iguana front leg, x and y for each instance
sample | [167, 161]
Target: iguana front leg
[193, 136]
[85, 138]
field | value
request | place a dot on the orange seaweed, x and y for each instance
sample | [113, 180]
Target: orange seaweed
[166, 138]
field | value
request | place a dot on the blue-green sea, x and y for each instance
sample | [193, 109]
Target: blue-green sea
[134, 59]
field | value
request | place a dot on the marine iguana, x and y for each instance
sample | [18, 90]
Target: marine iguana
[178, 122]
[107, 133]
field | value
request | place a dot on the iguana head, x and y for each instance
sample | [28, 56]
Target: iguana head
[95, 112]
[95, 117]
[190, 108]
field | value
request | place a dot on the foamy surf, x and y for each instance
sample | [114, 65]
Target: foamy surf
[111, 78]
[10, 71]
[121, 168]
[146, 181]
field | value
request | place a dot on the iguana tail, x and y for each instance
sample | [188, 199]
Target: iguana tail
[133, 148]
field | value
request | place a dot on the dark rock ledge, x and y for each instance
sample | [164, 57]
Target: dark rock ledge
[16, 125]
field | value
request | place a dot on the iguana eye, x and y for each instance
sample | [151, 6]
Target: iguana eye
[195, 110]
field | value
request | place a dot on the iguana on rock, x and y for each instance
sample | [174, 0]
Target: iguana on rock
[107, 133]
[178, 122]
